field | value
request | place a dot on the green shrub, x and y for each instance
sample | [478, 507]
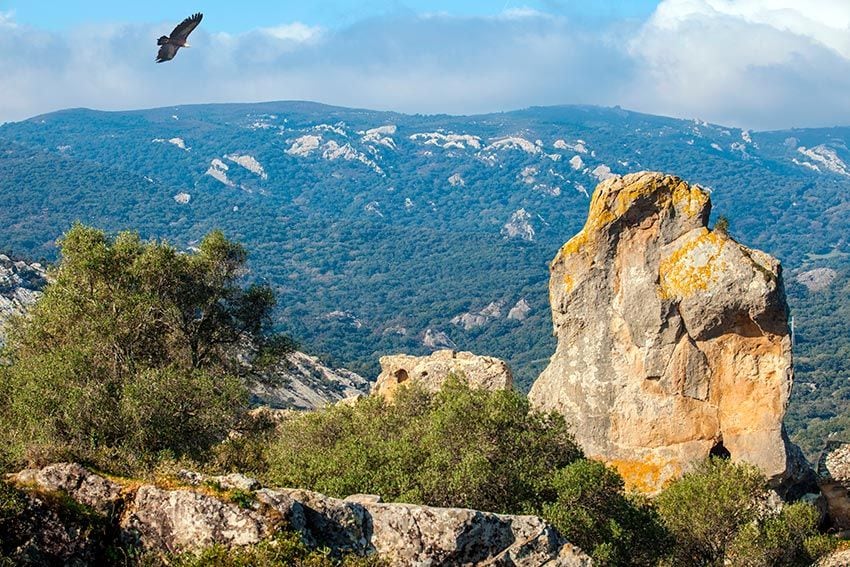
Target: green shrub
[593, 512]
[127, 355]
[283, 550]
[720, 513]
[460, 447]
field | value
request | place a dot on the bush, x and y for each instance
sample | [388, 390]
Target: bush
[460, 447]
[721, 513]
[593, 512]
[283, 550]
[127, 352]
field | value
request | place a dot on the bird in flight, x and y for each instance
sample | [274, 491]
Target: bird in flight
[178, 38]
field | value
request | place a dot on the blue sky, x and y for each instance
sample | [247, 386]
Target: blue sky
[240, 16]
[759, 64]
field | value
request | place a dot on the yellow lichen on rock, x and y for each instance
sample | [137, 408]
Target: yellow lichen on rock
[645, 476]
[694, 266]
[690, 199]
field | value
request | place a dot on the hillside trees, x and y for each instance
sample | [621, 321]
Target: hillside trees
[128, 349]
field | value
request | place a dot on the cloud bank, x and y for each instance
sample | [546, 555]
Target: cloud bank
[751, 63]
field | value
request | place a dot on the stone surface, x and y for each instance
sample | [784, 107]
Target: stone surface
[297, 381]
[77, 482]
[189, 518]
[833, 474]
[20, 287]
[431, 371]
[817, 279]
[839, 558]
[184, 519]
[672, 338]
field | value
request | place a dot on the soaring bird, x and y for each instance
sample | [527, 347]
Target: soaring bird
[170, 44]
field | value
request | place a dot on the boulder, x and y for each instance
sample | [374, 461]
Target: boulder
[185, 519]
[833, 477]
[194, 517]
[673, 341]
[432, 371]
[77, 482]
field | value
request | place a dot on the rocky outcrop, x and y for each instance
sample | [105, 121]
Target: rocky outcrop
[673, 340]
[301, 382]
[432, 371]
[818, 279]
[20, 287]
[833, 477]
[204, 513]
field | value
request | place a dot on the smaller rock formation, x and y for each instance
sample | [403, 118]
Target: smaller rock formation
[833, 477]
[432, 371]
[196, 516]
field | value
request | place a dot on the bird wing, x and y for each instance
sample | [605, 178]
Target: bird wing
[187, 26]
[166, 53]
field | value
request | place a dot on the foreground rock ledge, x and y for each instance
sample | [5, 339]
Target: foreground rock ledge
[673, 340]
[195, 516]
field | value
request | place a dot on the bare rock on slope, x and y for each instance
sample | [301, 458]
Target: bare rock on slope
[20, 287]
[302, 382]
[432, 371]
[673, 340]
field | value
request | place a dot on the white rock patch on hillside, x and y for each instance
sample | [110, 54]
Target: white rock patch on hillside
[577, 163]
[179, 142]
[826, 157]
[182, 198]
[447, 141]
[380, 136]
[304, 145]
[333, 151]
[602, 172]
[514, 143]
[520, 311]
[579, 147]
[519, 226]
[457, 181]
[218, 171]
[249, 163]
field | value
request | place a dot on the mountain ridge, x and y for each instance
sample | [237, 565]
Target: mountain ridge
[367, 223]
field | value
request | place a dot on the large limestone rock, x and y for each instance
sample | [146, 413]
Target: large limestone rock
[432, 371]
[672, 338]
[191, 518]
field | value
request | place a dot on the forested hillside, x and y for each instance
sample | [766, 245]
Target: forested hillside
[385, 233]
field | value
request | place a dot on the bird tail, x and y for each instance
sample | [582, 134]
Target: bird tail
[162, 41]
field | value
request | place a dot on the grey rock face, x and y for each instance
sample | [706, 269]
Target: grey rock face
[20, 287]
[402, 534]
[77, 482]
[300, 381]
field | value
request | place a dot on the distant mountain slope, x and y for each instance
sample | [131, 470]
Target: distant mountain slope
[385, 232]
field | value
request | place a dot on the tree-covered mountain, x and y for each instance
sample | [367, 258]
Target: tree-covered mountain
[384, 233]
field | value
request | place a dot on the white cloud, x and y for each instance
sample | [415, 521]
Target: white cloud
[752, 63]
[7, 19]
[296, 31]
[762, 63]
